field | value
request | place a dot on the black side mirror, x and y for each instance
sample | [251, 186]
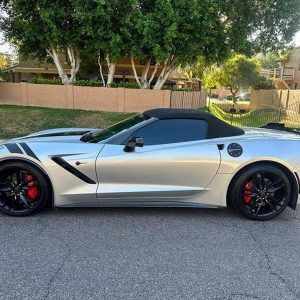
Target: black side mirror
[132, 143]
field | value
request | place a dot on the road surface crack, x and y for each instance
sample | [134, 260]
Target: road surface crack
[58, 270]
[272, 270]
[247, 296]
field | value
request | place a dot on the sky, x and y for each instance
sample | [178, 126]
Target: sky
[5, 48]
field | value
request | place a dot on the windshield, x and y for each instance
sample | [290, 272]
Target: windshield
[106, 133]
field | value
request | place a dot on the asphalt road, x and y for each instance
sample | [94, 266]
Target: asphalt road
[149, 254]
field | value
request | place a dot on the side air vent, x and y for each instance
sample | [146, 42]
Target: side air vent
[61, 162]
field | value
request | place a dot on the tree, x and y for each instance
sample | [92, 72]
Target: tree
[4, 61]
[195, 70]
[239, 72]
[175, 33]
[44, 29]
[255, 26]
[211, 77]
[269, 60]
[106, 27]
[168, 33]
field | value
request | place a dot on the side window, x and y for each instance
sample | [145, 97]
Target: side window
[172, 131]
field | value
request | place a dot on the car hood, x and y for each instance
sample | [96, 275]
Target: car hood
[64, 135]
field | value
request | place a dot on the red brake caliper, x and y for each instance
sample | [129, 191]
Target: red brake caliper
[248, 191]
[33, 190]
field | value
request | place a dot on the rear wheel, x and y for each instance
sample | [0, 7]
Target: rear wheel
[24, 189]
[261, 192]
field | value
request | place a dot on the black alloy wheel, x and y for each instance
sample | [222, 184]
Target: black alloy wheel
[261, 193]
[24, 189]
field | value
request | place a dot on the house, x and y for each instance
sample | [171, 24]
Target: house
[32, 68]
[28, 69]
[287, 76]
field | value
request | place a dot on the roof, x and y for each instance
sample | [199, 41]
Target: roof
[177, 113]
[216, 127]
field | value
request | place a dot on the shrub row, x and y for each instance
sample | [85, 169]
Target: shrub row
[91, 82]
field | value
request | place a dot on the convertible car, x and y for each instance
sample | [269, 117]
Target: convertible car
[162, 157]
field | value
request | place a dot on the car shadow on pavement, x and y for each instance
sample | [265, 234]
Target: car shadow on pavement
[162, 212]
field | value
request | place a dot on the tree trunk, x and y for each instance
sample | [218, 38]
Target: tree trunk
[134, 72]
[111, 71]
[233, 92]
[153, 75]
[165, 73]
[143, 82]
[74, 57]
[100, 69]
[144, 77]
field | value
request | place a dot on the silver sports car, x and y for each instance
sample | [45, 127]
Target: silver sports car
[163, 157]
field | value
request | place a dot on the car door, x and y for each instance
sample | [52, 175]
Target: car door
[176, 161]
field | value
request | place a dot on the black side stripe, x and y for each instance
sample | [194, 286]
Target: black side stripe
[13, 148]
[61, 162]
[28, 151]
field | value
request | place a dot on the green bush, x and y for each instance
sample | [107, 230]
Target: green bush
[264, 84]
[92, 82]
[185, 90]
[55, 81]
[126, 85]
[4, 75]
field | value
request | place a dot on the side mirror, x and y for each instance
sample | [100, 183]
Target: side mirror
[132, 143]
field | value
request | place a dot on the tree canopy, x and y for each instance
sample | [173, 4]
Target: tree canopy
[238, 73]
[4, 61]
[46, 28]
[166, 33]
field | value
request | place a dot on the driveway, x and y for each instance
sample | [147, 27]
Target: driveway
[149, 254]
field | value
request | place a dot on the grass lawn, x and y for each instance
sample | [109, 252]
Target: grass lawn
[18, 121]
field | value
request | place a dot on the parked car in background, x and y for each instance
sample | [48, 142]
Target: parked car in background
[244, 97]
[240, 97]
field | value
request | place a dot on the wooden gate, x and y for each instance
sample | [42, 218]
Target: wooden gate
[188, 99]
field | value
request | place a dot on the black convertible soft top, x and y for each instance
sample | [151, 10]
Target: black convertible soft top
[216, 127]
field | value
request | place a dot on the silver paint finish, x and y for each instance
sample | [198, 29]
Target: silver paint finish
[174, 170]
[193, 174]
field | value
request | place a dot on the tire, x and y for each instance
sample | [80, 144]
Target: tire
[24, 189]
[260, 192]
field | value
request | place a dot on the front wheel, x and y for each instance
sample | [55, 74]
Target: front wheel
[24, 189]
[261, 192]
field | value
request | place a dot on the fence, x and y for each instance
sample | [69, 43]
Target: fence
[261, 116]
[188, 99]
[274, 98]
[78, 97]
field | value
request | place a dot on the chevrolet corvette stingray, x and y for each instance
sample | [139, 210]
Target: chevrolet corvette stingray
[162, 157]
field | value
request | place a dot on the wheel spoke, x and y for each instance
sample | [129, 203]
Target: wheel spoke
[253, 195]
[277, 202]
[5, 187]
[272, 184]
[25, 200]
[258, 209]
[254, 202]
[271, 205]
[260, 181]
[275, 189]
